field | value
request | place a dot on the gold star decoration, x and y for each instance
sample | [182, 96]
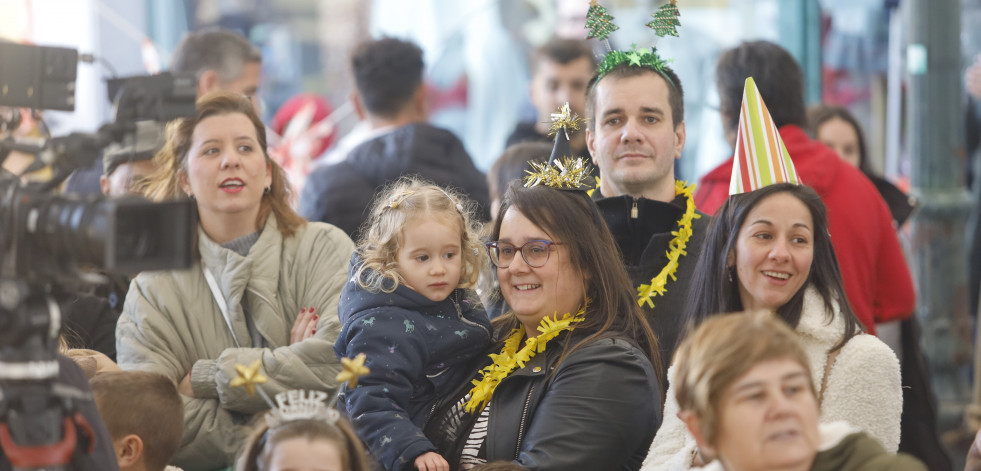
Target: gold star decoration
[353, 369]
[565, 120]
[249, 376]
[567, 172]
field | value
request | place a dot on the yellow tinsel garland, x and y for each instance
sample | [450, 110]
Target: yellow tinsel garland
[567, 172]
[676, 248]
[564, 120]
[511, 358]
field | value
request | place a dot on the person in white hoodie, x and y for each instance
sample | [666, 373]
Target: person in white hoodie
[769, 250]
[747, 396]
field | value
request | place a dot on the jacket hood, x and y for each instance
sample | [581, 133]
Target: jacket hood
[355, 299]
[414, 148]
[809, 158]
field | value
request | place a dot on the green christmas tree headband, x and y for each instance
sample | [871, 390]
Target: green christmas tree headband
[600, 25]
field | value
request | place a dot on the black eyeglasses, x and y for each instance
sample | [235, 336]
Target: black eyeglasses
[534, 252]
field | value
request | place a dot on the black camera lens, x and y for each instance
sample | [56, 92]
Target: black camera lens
[122, 235]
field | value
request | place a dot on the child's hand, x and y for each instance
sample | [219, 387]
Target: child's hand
[305, 325]
[431, 461]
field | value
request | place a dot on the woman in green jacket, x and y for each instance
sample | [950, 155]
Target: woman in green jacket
[264, 288]
[745, 392]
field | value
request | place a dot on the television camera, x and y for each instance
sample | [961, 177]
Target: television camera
[49, 243]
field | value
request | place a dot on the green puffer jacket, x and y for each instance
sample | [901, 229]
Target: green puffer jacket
[845, 448]
[171, 323]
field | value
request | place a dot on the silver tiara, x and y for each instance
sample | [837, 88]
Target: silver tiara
[298, 404]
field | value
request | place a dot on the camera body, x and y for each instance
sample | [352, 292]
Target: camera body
[50, 243]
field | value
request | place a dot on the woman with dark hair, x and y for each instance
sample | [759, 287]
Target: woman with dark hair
[838, 129]
[715, 278]
[262, 292]
[583, 393]
[769, 249]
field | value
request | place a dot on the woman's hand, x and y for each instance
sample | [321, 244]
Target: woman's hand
[305, 325]
[431, 461]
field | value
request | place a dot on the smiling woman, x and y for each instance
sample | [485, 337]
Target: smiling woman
[773, 252]
[264, 289]
[573, 380]
[770, 250]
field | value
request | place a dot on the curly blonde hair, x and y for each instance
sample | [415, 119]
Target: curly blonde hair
[399, 204]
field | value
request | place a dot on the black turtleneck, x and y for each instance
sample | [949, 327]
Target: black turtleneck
[633, 221]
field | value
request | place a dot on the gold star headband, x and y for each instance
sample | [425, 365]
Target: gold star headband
[298, 404]
[562, 170]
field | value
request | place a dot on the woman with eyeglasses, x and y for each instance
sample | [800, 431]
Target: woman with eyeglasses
[573, 381]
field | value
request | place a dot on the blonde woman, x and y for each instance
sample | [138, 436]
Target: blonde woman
[264, 289]
[746, 393]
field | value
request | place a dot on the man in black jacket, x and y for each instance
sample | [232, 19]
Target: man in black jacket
[635, 132]
[390, 95]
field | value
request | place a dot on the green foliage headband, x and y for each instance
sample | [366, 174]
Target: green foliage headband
[600, 25]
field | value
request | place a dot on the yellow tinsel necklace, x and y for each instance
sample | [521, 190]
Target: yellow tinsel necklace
[511, 358]
[676, 248]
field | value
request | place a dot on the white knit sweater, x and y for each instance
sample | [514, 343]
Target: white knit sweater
[863, 388]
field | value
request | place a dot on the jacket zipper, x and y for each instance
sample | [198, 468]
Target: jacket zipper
[633, 210]
[459, 313]
[524, 417]
[432, 410]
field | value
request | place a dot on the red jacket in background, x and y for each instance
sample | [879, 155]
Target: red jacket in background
[876, 277]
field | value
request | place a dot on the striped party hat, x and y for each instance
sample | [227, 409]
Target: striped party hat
[761, 158]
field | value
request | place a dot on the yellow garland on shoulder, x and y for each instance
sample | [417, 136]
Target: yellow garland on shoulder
[592, 190]
[511, 358]
[567, 172]
[676, 248]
